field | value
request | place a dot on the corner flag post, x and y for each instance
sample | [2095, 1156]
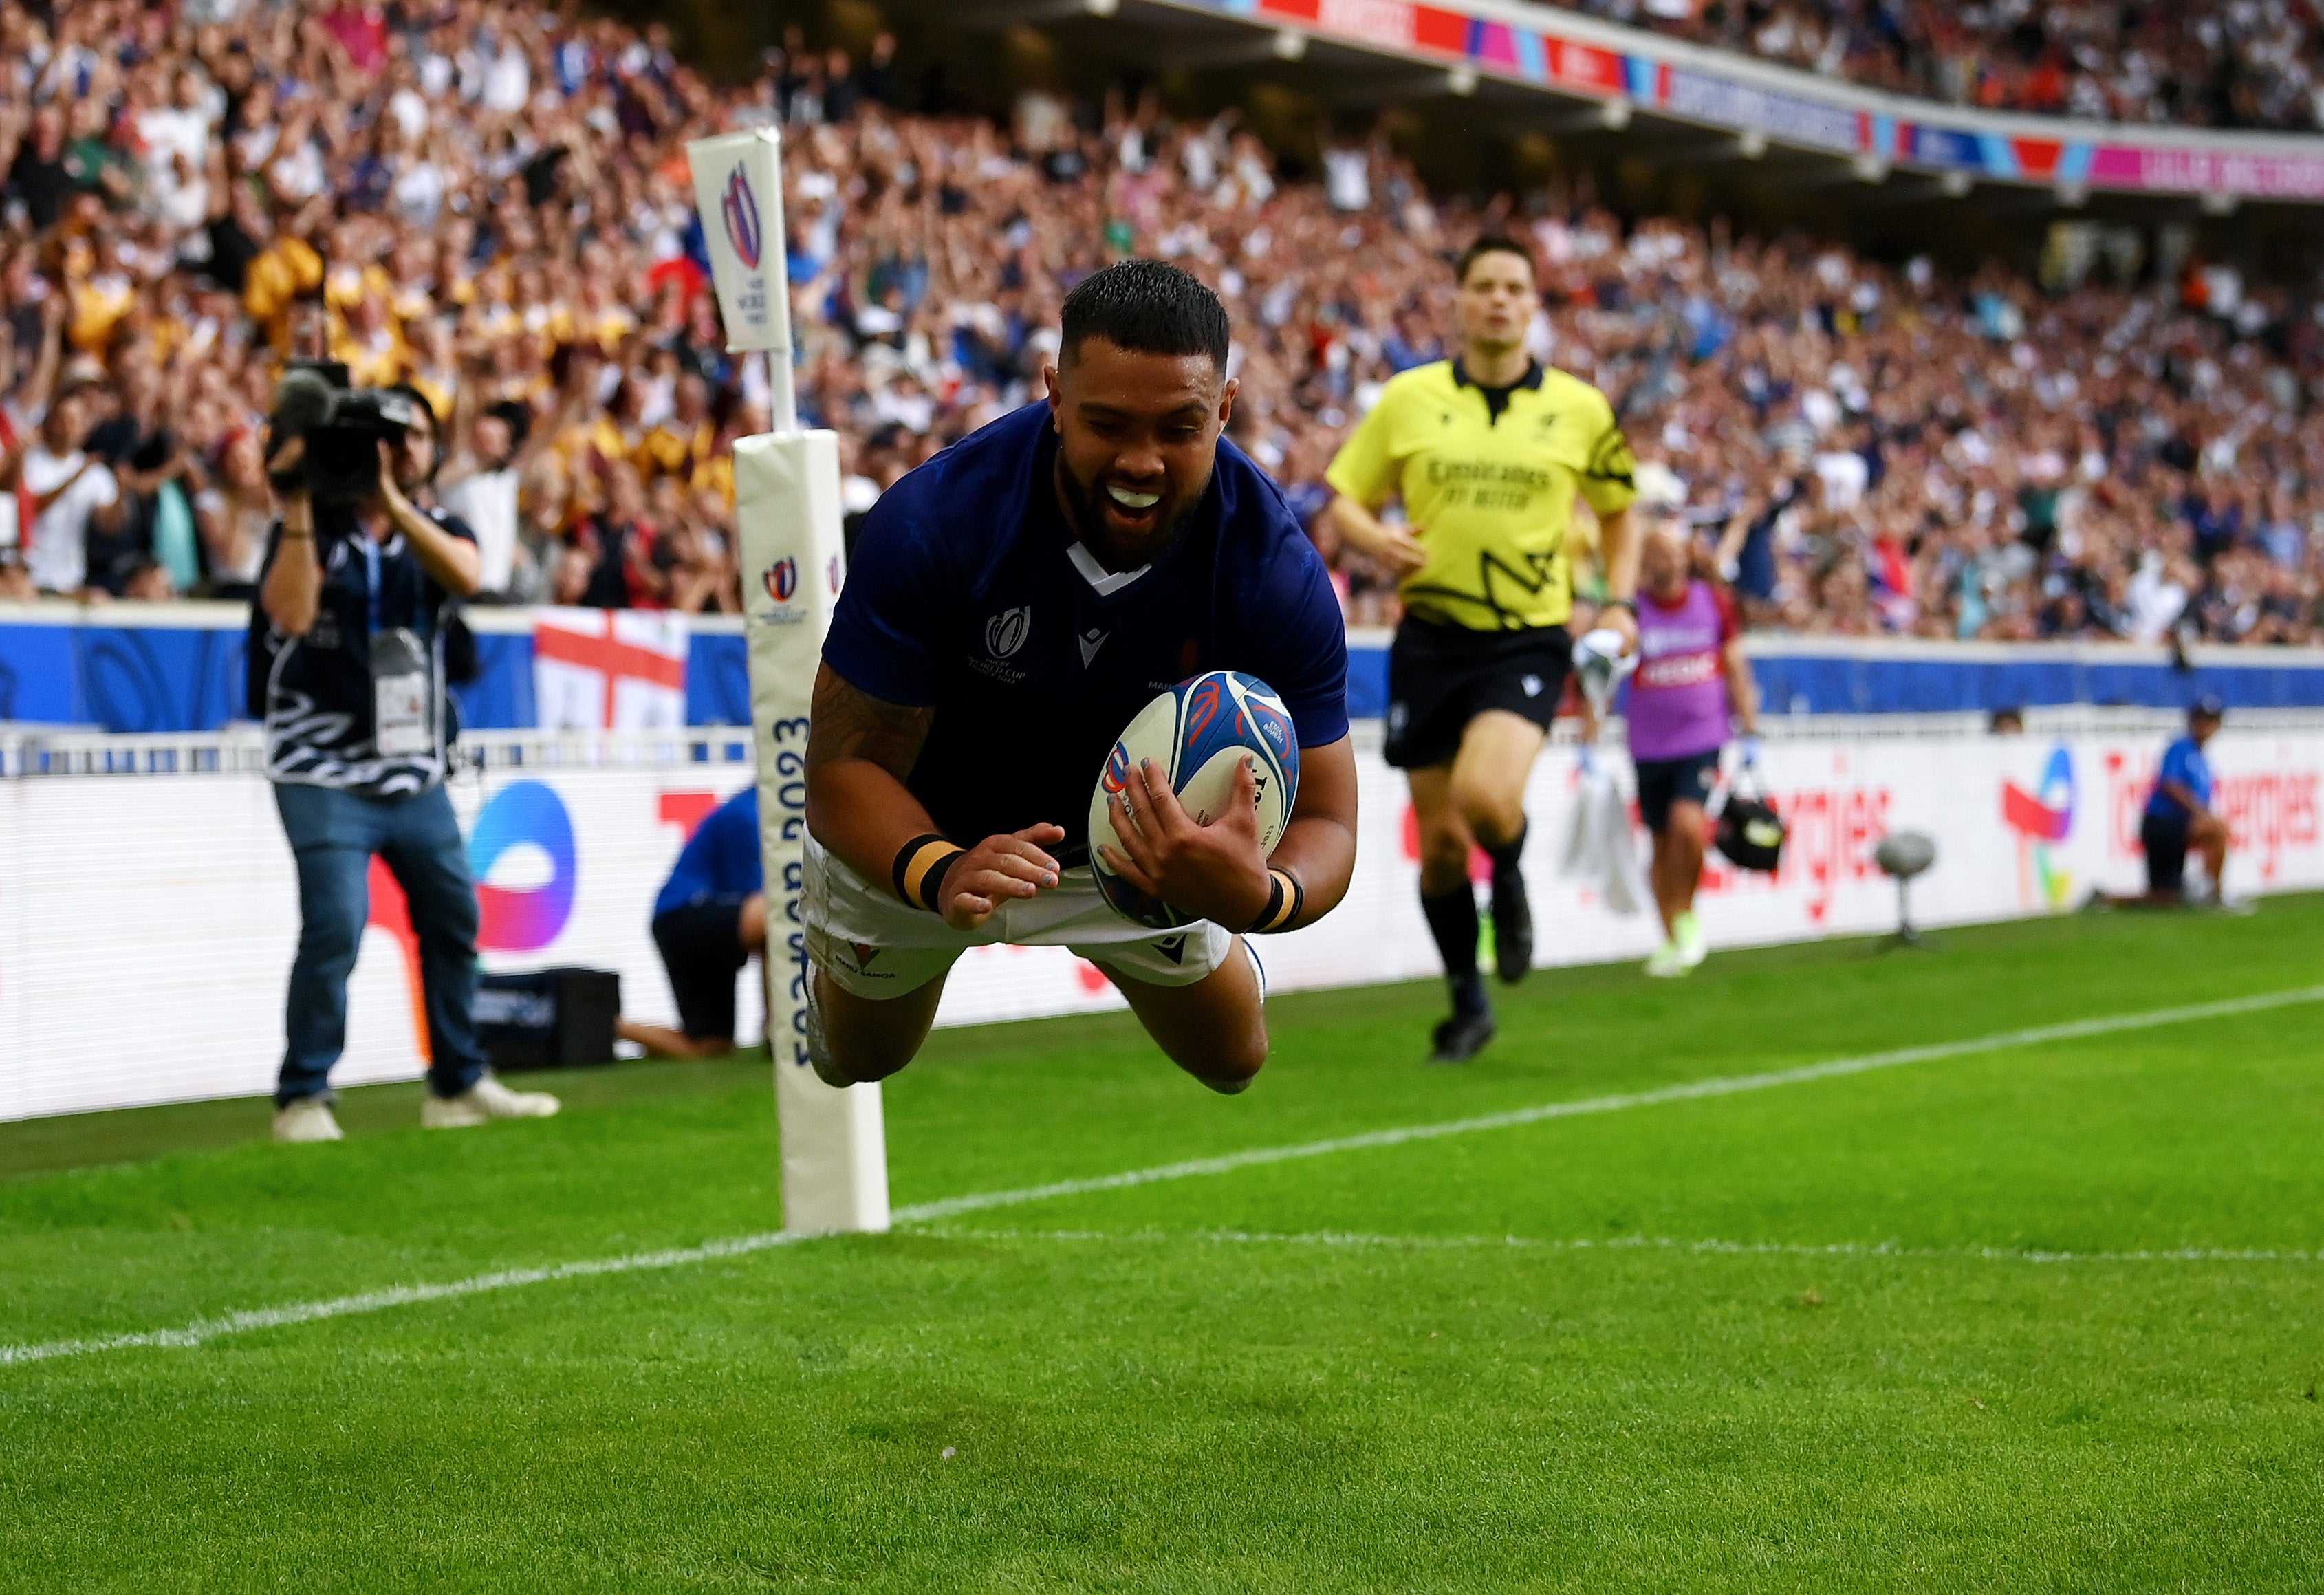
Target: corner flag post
[787, 510]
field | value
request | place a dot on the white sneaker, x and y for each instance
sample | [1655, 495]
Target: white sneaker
[1668, 961]
[1686, 938]
[307, 1119]
[483, 1103]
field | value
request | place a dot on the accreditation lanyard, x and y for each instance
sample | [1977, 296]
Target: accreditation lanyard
[371, 581]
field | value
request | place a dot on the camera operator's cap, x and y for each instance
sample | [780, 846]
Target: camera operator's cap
[2207, 707]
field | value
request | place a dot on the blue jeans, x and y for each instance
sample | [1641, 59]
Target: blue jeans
[333, 836]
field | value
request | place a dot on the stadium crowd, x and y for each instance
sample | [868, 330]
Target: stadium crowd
[2205, 63]
[492, 204]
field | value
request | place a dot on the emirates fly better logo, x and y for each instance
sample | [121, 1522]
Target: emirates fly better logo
[738, 209]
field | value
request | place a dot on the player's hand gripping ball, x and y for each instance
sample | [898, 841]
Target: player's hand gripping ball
[1197, 733]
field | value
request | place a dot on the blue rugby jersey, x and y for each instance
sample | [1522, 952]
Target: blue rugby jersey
[721, 860]
[964, 594]
[2182, 761]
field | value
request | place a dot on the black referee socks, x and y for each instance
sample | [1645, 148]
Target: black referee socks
[1506, 856]
[1452, 921]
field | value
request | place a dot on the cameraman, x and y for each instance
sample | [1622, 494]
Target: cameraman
[359, 586]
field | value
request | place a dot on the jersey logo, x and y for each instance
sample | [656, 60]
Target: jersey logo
[1532, 685]
[1173, 947]
[864, 953]
[1091, 641]
[1005, 633]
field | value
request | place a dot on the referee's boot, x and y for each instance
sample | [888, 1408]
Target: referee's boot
[1512, 925]
[1469, 1029]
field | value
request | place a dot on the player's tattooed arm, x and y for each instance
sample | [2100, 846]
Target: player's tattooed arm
[851, 724]
[860, 750]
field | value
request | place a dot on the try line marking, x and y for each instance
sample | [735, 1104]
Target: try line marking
[1786, 1248]
[206, 1329]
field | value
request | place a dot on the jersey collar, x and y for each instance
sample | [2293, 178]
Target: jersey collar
[1106, 583]
[1531, 379]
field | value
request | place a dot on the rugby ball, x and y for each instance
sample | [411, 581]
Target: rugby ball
[1197, 733]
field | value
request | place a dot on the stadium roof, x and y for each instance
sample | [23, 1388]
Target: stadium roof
[1573, 72]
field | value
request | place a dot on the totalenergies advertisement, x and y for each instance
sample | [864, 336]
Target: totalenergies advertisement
[567, 862]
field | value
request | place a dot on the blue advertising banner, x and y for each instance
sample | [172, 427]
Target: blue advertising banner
[181, 668]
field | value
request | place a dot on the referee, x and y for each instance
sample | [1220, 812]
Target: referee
[1487, 453]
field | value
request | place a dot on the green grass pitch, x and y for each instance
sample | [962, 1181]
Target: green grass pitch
[2043, 1317]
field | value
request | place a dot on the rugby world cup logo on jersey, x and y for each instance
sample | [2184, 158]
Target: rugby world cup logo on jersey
[1004, 635]
[2042, 819]
[738, 209]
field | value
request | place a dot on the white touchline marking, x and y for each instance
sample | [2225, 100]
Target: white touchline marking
[1690, 1090]
[401, 1295]
[1841, 1249]
[395, 1296]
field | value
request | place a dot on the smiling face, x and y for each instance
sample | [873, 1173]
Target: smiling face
[1139, 437]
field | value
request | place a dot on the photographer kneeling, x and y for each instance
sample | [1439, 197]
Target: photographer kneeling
[358, 587]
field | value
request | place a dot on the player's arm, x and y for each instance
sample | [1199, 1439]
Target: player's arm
[1318, 850]
[860, 750]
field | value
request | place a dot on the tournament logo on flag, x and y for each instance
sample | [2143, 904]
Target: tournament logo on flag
[782, 580]
[740, 211]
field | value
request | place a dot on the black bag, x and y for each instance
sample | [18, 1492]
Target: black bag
[1750, 832]
[555, 1019]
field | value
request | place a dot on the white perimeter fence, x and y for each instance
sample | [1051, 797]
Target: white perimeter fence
[147, 909]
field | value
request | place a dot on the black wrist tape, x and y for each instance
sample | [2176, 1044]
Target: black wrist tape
[1285, 898]
[921, 865]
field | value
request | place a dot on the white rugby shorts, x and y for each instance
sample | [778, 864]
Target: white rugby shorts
[875, 947]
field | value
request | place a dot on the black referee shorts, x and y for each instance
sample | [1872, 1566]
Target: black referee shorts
[1440, 678]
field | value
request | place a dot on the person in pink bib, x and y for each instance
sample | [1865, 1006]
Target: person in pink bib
[1693, 690]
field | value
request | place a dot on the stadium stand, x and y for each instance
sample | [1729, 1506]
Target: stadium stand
[492, 204]
[2205, 63]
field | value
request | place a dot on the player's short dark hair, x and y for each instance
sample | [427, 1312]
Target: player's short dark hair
[1149, 307]
[1494, 243]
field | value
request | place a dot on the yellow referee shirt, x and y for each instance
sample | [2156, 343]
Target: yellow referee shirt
[1489, 496]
